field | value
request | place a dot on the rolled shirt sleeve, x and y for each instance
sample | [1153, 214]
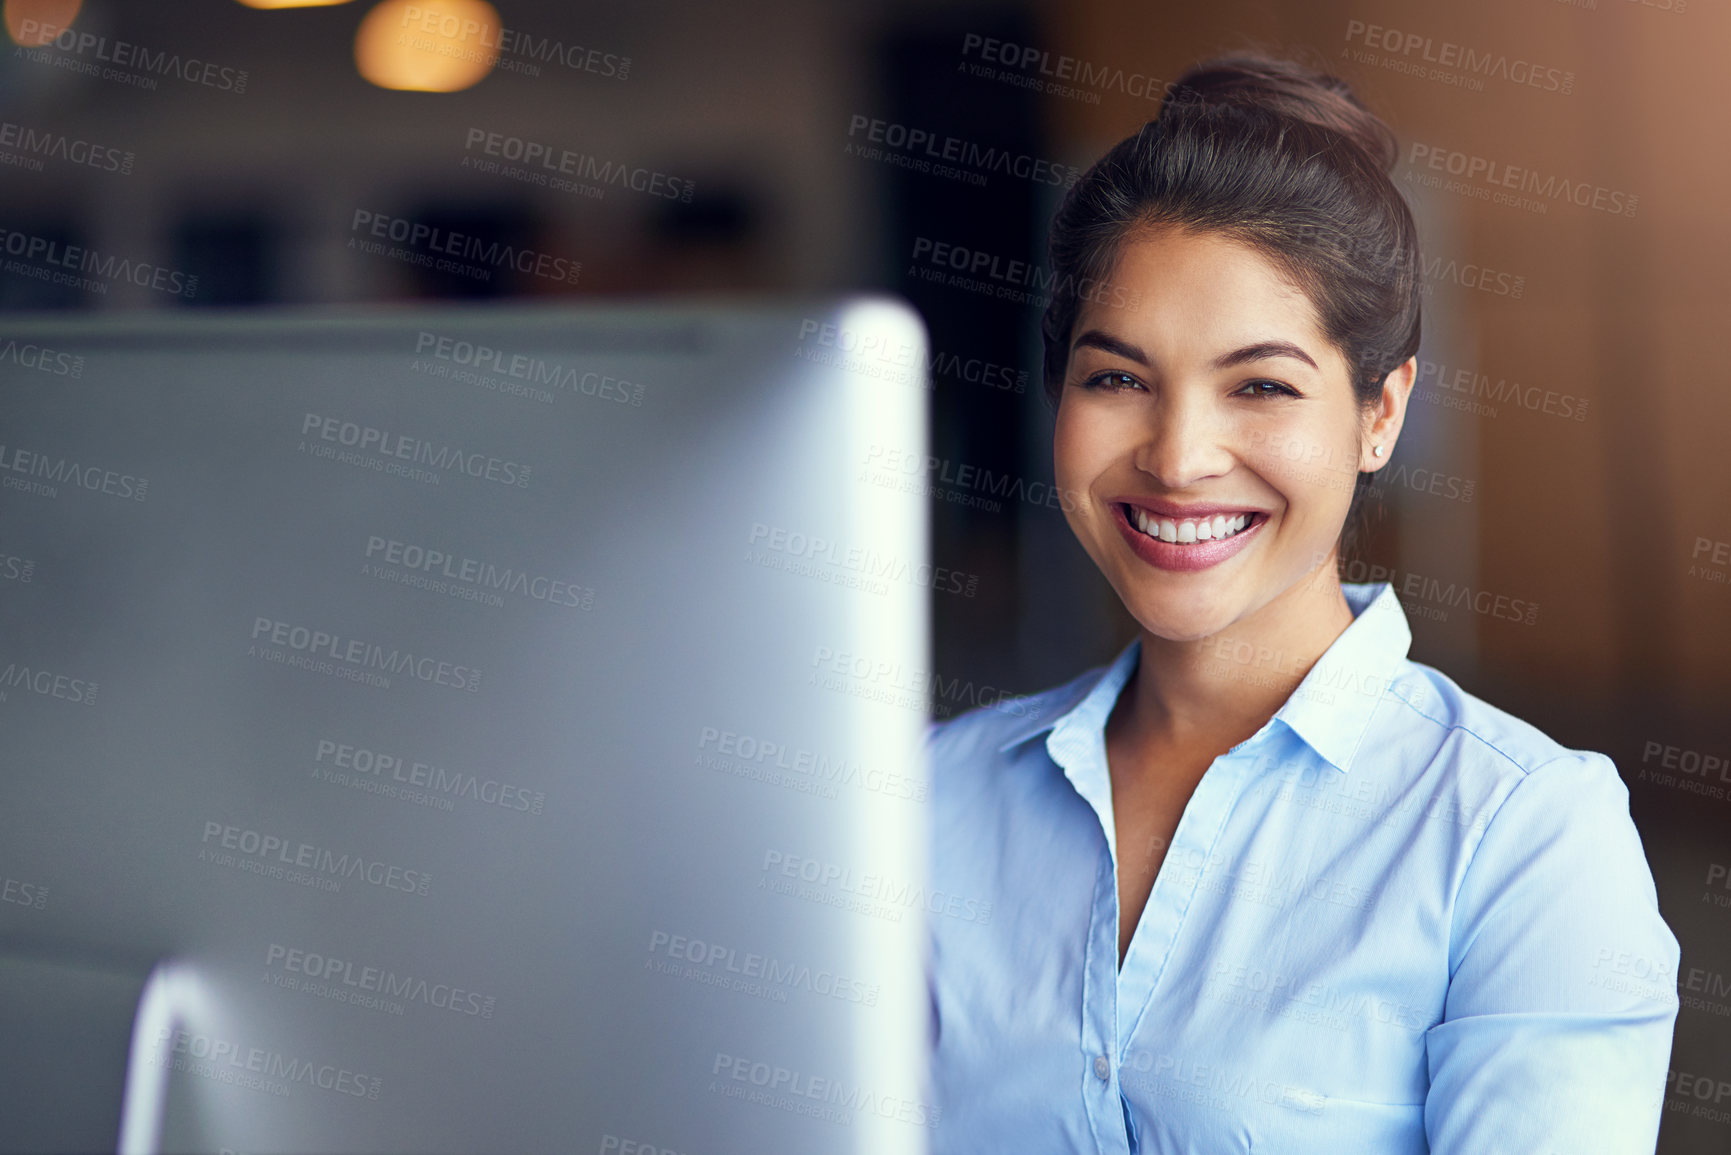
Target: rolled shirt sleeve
[1562, 991]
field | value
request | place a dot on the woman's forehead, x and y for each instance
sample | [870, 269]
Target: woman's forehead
[1197, 295]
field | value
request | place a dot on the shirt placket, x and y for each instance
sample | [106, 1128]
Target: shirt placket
[1194, 844]
[1080, 750]
[1114, 1001]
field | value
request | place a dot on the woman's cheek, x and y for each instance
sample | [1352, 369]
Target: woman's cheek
[1085, 443]
[1069, 453]
[1314, 474]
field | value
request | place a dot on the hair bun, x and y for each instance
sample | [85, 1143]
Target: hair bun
[1290, 90]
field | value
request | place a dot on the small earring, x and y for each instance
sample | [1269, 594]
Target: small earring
[1376, 449]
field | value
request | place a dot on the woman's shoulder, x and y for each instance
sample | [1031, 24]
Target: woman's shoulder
[1467, 729]
[1555, 870]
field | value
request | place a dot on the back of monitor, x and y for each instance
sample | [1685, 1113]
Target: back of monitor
[503, 725]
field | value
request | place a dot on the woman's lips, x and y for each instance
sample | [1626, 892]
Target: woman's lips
[1184, 557]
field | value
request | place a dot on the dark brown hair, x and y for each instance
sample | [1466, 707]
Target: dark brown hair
[1279, 157]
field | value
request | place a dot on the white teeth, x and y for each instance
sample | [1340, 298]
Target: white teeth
[1189, 530]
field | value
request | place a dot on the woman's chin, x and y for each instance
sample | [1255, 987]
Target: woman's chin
[1182, 619]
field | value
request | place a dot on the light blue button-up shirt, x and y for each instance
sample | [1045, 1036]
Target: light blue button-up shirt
[1395, 919]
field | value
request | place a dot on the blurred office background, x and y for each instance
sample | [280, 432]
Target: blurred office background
[1566, 452]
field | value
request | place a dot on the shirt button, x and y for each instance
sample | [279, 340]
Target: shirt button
[1103, 1067]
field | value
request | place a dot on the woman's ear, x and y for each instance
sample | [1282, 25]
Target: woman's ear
[1384, 417]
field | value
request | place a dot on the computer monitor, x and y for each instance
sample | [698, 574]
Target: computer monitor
[490, 729]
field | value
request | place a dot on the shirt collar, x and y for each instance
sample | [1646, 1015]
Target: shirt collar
[1332, 706]
[1330, 710]
[1089, 698]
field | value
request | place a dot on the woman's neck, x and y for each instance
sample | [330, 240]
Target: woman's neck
[1203, 697]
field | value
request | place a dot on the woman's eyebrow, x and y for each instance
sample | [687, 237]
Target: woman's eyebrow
[1260, 351]
[1114, 345]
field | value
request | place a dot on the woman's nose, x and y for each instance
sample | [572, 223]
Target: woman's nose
[1181, 443]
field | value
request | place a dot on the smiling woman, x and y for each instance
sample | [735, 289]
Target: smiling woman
[1268, 884]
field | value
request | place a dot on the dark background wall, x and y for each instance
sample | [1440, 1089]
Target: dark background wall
[1596, 466]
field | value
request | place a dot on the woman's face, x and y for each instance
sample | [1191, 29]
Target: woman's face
[1214, 407]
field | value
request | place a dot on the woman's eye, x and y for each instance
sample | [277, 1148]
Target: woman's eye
[1267, 389]
[1111, 380]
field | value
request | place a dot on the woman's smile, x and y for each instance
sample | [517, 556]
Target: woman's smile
[1185, 540]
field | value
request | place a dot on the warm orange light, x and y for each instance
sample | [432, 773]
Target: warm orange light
[291, 3]
[428, 45]
[34, 23]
